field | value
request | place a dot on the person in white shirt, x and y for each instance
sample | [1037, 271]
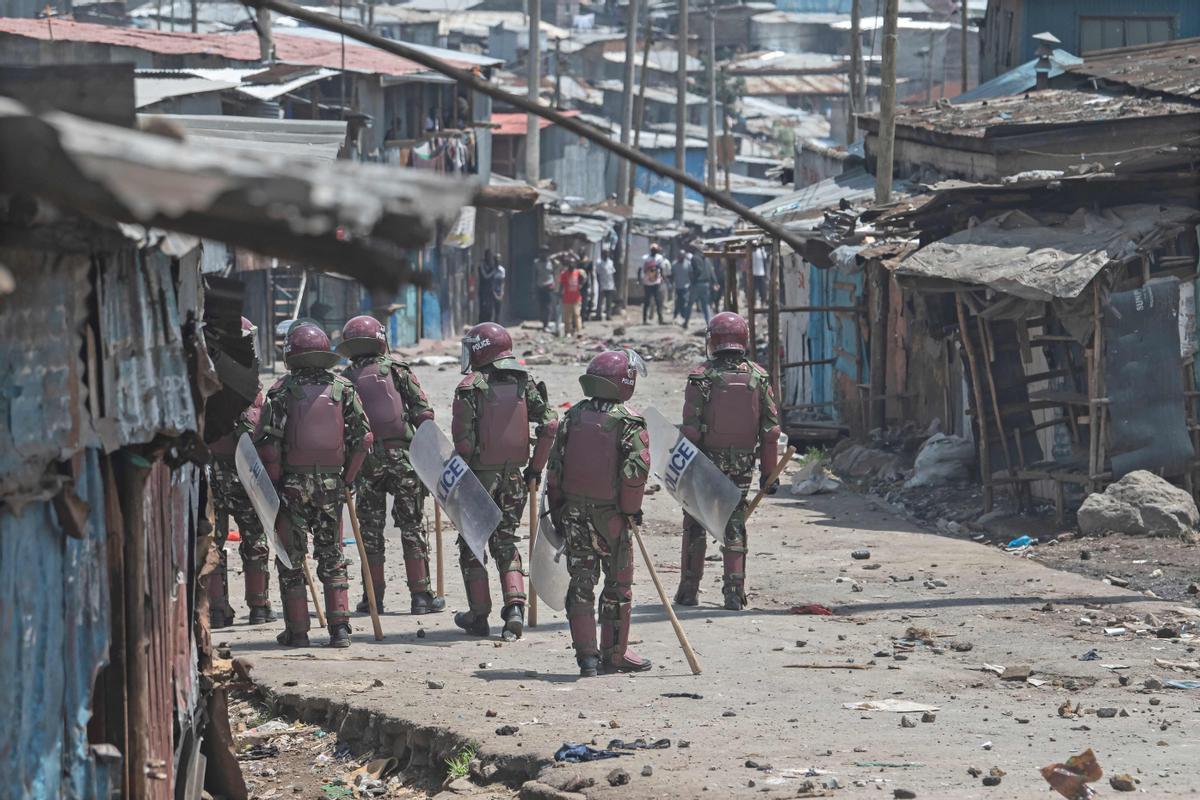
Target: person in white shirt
[654, 269]
[758, 271]
[606, 273]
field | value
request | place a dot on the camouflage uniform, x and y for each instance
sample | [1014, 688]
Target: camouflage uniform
[388, 470]
[737, 463]
[506, 484]
[311, 502]
[230, 500]
[597, 533]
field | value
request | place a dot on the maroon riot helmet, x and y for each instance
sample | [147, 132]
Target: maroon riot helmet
[727, 331]
[612, 375]
[363, 335]
[487, 343]
[306, 345]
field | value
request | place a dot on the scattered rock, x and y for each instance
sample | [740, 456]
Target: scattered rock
[618, 777]
[507, 730]
[1153, 684]
[566, 780]
[1154, 701]
[1106, 713]
[974, 772]
[861, 555]
[1140, 504]
[929, 716]
[536, 790]
[683, 743]
[460, 786]
[752, 764]
[728, 713]
[991, 780]
[647, 771]
[962, 647]
[490, 713]
[1018, 672]
[420, 633]
[435, 684]
[1123, 783]
[905, 722]
[1193, 588]
[904, 794]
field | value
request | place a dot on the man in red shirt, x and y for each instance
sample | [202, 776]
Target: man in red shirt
[571, 281]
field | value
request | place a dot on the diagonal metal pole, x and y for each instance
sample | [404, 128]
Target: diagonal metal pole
[478, 84]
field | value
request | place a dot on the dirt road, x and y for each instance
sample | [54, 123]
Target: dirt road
[913, 624]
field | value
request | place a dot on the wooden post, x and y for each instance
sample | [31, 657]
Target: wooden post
[711, 166]
[639, 108]
[877, 344]
[988, 355]
[681, 85]
[887, 106]
[965, 61]
[985, 463]
[624, 168]
[1095, 407]
[557, 73]
[752, 308]
[856, 105]
[137, 657]
[773, 333]
[533, 157]
[666, 604]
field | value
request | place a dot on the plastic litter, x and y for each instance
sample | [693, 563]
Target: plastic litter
[1021, 542]
[577, 753]
[1071, 779]
[1178, 684]
[1090, 655]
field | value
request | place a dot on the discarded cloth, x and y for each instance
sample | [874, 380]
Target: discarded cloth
[811, 609]
[576, 753]
[639, 744]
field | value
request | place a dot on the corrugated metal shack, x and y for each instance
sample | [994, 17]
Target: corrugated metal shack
[104, 374]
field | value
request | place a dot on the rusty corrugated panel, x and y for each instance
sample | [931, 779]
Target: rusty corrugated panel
[54, 620]
[159, 633]
[41, 402]
[146, 385]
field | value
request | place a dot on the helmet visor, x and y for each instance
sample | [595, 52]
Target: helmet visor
[464, 358]
[636, 362]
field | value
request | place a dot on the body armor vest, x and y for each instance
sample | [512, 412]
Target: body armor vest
[731, 413]
[382, 402]
[503, 420]
[591, 458]
[316, 429]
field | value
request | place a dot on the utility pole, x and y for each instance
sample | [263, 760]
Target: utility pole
[885, 155]
[711, 167]
[624, 168]
[266, 46]
[195, 16]
[857, 106]
[640, 108]
[680, 104]
[533, 154]
[965, 60]
[558, 73]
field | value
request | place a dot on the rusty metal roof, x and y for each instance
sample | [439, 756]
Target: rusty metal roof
[1027, 112]
[242, 46]
[350, 216]
[771, 85]
[1171, 68]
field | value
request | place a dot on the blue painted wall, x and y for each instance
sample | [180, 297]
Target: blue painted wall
[1061, 18]
[693, 162]
[431, 299]
[54, 621]
[833, 336]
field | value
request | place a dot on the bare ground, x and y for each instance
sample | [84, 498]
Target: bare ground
[922, 620]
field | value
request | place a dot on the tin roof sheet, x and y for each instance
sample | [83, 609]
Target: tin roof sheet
[1171, 68]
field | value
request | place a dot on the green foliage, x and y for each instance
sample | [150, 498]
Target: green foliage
[458, 765]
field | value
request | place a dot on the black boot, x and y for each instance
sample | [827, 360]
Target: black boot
[426, 603]
[261, 614]
[589, 665]
[291, 638]
[339, 635]
[476, 626]
[514, 621]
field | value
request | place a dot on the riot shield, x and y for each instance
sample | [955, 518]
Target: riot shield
[262, 494]
[548, 565]
[454, 487]
[689, 476]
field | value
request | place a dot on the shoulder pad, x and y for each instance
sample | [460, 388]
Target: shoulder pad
[756, 369]
[698, 371]
[626, 411]
[468, 381]
[396, 363]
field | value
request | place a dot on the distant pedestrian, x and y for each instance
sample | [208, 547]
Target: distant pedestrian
[758, 271]
[704, 284]
[589, 288]
[606, 273]
[653, 267]
[572, 281]
[544, 282]
[487, 272]
[681, 278]
[497, 290]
